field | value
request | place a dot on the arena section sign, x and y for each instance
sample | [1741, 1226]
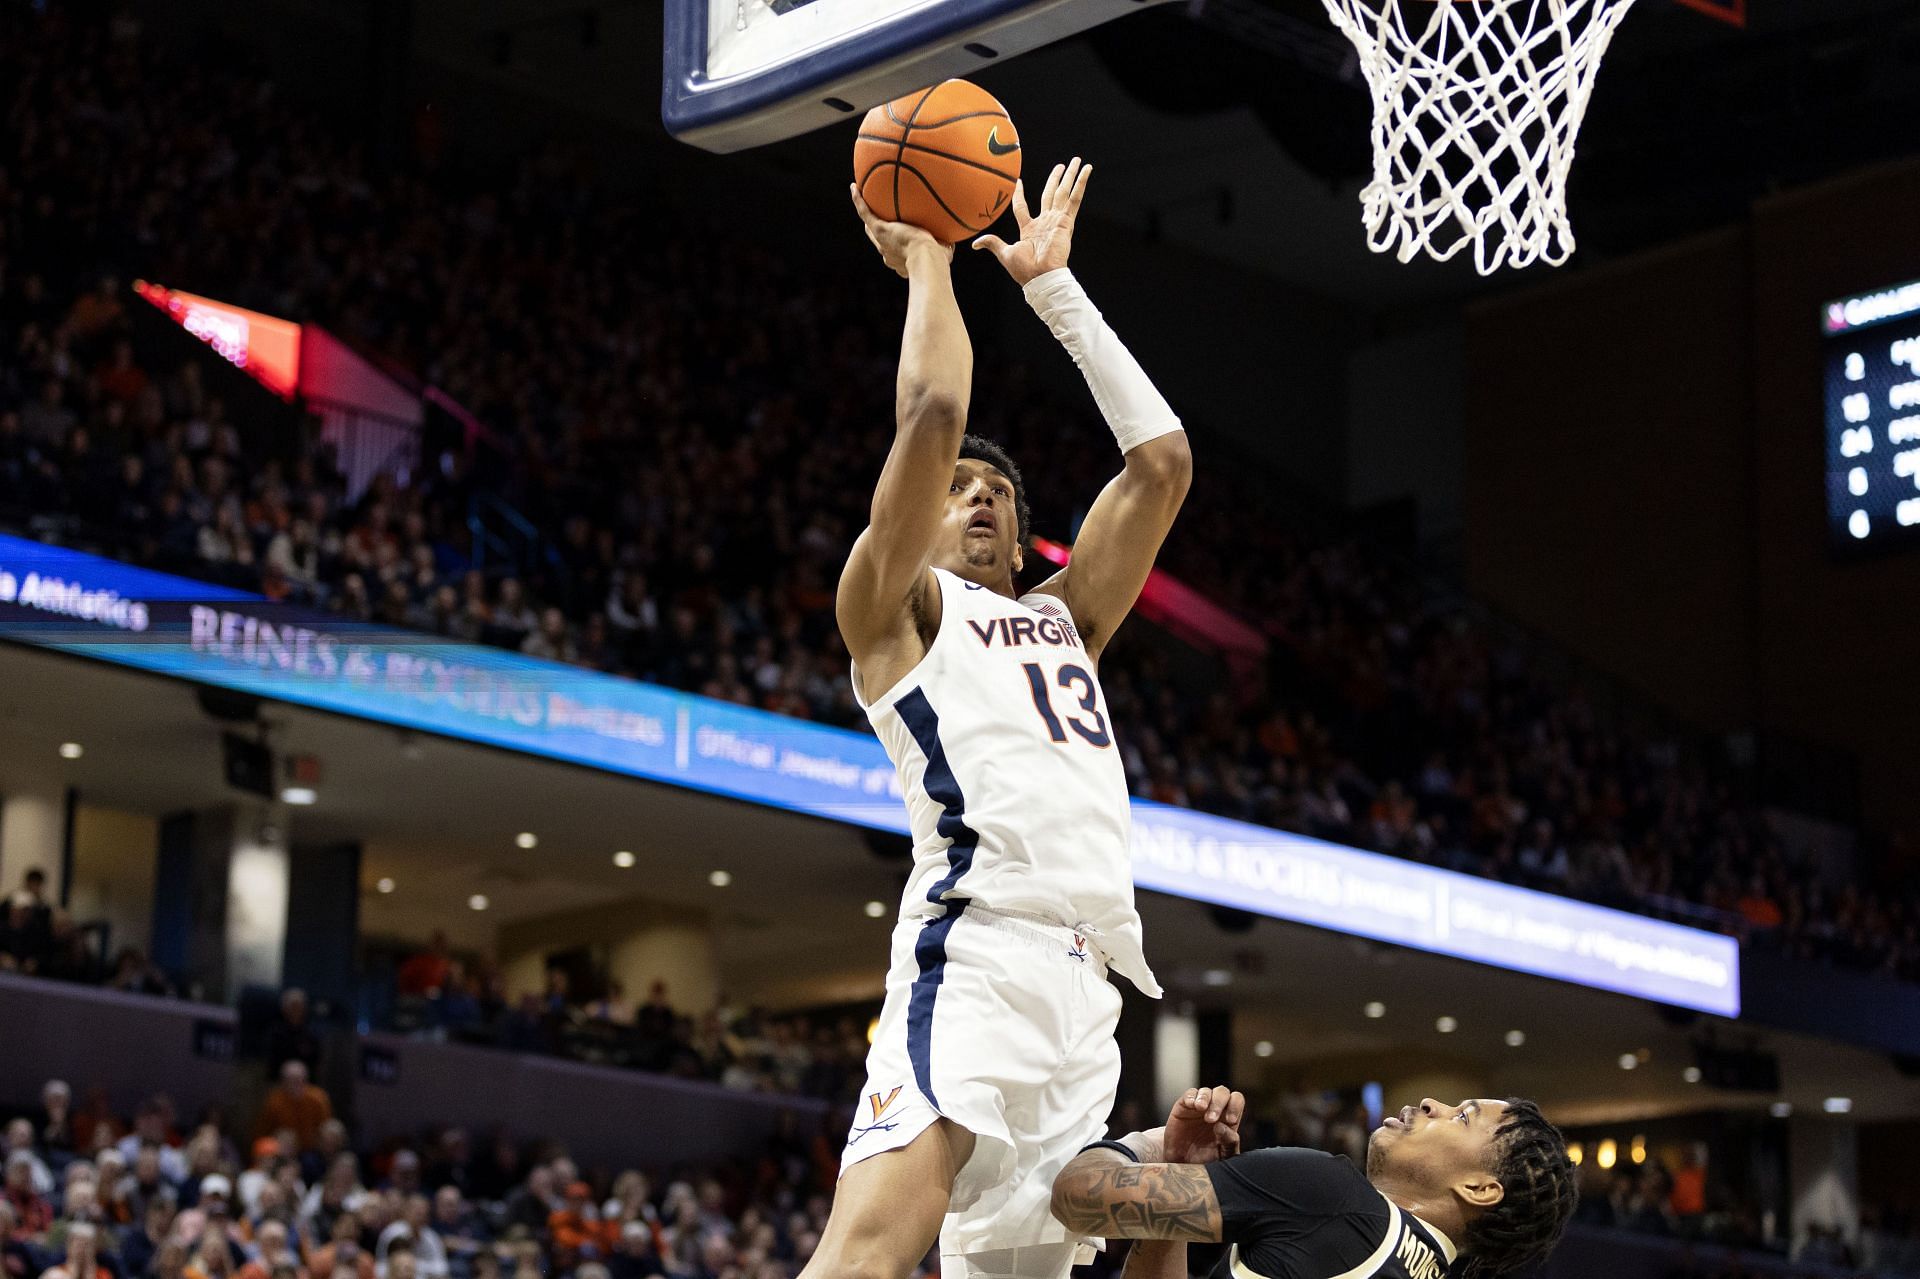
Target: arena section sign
[81, 604]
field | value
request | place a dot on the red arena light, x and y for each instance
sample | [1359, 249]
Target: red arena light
[265, 347]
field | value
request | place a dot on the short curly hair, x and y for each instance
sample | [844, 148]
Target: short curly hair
[981, 449]
[1536, 1176]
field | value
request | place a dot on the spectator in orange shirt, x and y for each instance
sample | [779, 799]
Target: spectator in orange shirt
[342, 1253]
[576, 1226]
[120, 377]
[1758, 906]
[426, 973]
[296, 1105]
[1689, 1195]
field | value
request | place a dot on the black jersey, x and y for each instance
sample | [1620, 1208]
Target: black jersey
[1300, 1214]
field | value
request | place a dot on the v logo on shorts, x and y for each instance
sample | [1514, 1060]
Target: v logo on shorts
[1079, 950]
[880, 1107]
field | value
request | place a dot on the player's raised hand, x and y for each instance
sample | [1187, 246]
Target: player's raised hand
[895, 239]
[1046, 236]
[1204, 1125]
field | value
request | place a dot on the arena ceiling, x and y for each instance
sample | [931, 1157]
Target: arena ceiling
[439, 817]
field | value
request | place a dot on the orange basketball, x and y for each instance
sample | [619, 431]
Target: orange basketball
[943, 158]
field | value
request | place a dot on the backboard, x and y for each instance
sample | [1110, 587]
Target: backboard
[740, 73]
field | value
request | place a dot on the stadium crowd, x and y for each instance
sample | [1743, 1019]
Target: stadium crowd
[90, 1195]
[655, 399]
[87, 1195]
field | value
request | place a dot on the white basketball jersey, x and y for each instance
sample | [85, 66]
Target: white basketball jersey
[1015, 791]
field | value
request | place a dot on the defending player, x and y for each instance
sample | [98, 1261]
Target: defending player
[994, 1059]
[1472, 1191]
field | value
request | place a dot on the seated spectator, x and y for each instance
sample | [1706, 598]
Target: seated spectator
[576, 1228]
[216, 1254]
[53, 1122]
[149, 1181]
[341, 1256]
[1758, 907]
[1688, 1199]
[613, 1007]
[425, 972]
[414, 1229]
[82, 1254]
[637, 1255]
[458, 1003]
[453, 1163]
[140, 1244]
[497, 1174]
[558, 1001]
[170, 1262]
[81, 1212]
[552, 639]
[462, 1231]
[25, 935]
[513, 618]
[119, 1205]
[19, 1146]
[291, 1037]
[532, 1204]
[213, 1197]
[133, 974]
[654, 1019]
[153, 1135]
[403, 1173]
[279, 1202]
[337, 1195]
[209, 1152]
[267, 1160]
[272, 1252]
[295, 1105]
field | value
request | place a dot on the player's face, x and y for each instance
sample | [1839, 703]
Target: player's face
[983, 523]
[1434, 1143]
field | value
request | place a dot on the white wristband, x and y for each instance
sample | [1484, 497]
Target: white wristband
[1135, 410]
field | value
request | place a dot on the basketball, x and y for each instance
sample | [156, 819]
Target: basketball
[944, 158]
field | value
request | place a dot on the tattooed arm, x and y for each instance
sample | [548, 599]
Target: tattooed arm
[1156, 1259]
[1102, 1194]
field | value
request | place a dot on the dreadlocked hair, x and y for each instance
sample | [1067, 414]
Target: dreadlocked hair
[1516, 1234]
[982, 449]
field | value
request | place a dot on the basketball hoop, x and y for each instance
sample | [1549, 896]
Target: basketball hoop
[1476, 106]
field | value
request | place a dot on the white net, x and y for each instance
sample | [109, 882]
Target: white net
[1476, 106]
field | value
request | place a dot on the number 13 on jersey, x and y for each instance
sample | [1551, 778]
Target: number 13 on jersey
[1079, 685]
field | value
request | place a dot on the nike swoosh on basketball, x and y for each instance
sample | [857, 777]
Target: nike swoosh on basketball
[996, 147]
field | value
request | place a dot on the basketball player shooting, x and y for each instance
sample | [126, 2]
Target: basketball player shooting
[993, 1062]
[1476, 1190]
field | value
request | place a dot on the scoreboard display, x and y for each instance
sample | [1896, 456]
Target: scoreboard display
[1872, 349]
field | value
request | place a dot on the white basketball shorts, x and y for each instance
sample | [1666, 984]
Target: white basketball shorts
[1004, 1025]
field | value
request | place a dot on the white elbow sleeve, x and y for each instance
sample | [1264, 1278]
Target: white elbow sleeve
[1135, 410]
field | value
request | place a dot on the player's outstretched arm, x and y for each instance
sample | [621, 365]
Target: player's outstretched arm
[1123, 532]
[888, 565]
